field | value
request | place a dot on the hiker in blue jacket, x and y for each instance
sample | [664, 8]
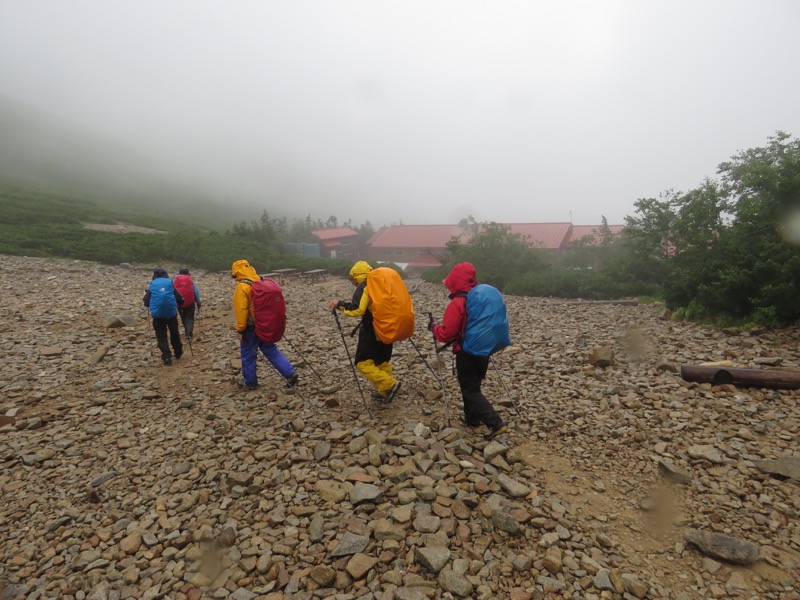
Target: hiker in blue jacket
[470, 369]
[162, 299]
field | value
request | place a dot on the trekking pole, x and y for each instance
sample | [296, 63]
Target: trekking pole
[185, 334]
[441, 381]
[197, 319]
[296, 351]
[426, 363]
[352, 364]
[503, 383]
[149, 325]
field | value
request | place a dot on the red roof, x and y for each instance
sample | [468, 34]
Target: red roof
[334, 233]
[414, 236]
[581, 231]
[548, 236]
[424, 260]
[542, 235]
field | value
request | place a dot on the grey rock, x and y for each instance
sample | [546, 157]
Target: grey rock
[365, 492]
[505, 522]
[674, 472]
[723, 547]
[350, 544]
[408, 593]
[119, 320]
[513, 488]
[494, 449]
[785, 466]
[316, 530]
[455, 583]
[705, 451]
[433, 559]
[601, 357]
[101, 479]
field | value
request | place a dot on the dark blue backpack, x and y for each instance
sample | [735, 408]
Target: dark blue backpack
[162, 299]
[486, 330]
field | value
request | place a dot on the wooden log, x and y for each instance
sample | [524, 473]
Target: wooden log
[788, 380]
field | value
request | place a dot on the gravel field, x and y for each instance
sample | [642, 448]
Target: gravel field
[122, 478]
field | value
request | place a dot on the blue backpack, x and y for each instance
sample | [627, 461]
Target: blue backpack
[486, 330]
[162, 299]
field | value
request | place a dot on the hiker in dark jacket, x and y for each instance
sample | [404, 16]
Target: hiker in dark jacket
[162, 300]
[186, 286]
[470, 369]
[373, 357]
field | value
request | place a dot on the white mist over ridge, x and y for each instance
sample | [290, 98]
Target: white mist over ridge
[412, 113]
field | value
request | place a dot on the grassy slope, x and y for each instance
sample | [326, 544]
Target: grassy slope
[53, 157]
[55, 176]
[36, 223]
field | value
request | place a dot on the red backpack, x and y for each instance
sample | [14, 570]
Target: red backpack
[269, 309]
[185, 287]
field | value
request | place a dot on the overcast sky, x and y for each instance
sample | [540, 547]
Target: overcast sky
[420, 112]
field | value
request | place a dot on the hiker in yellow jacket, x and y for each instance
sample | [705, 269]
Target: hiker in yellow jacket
[373, 357]
[249, 344]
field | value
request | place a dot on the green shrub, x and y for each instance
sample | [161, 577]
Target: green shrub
[435, 274]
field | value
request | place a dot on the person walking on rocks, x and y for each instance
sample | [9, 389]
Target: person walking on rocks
[162, 300]
[373, 357]
[249, 343]
[191, 297]
[470, 369]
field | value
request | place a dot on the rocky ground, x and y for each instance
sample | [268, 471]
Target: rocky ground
[122, 478]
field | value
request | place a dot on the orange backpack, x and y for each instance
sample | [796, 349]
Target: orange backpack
[392, 309]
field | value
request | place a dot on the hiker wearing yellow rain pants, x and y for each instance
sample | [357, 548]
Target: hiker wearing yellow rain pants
[373, 357]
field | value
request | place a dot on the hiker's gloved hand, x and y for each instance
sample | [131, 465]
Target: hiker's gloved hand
[199, 305]
[333, 305]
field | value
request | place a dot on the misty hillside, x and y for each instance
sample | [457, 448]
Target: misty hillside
[42, 152]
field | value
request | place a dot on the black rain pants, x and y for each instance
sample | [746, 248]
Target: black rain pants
[471, 371]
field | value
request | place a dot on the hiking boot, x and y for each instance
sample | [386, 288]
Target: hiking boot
[292, 381]
[167, 360]
[392, 393]
[243, 385]
[178, 354]
[376, 396]
[464, 421]
[495, 432]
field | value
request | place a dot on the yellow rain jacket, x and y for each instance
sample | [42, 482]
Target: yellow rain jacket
[359, 305]
[372, 356]
[242, 304]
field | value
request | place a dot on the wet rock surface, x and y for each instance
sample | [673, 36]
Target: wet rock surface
[122, 478]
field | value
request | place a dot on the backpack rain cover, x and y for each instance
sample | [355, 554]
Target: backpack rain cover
[269, 310]
[392, 309]
[486, 330]
[162, 299]
[185, 287]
